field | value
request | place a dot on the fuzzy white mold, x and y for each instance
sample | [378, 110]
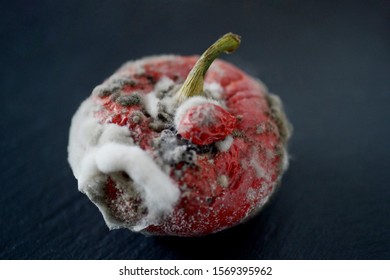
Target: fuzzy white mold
[188, 104]
[214, 89]
[225, 144]
[158, 191]
[151, 104]
[96, 150]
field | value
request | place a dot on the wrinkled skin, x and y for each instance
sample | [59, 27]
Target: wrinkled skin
[218, 189]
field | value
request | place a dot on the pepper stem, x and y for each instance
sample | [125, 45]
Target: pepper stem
[193, 85]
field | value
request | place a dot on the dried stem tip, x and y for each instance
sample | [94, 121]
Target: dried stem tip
[193, 85]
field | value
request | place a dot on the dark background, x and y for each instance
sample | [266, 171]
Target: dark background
[328, 60]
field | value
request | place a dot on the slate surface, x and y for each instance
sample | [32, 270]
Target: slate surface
[328, 60]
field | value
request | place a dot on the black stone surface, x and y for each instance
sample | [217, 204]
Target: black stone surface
[328, 60]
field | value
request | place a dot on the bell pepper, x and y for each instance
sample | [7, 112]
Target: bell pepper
[179, 145]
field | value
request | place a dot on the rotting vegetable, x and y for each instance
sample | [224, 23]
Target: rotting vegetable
[179, 145]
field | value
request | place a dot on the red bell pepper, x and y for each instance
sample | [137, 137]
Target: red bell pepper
[176, 145]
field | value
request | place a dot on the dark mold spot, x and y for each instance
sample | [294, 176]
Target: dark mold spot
[129, 100]
[151, 79]
[104, 92]
[125, 176]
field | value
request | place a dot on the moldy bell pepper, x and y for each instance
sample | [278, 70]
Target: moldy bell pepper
[179, 145]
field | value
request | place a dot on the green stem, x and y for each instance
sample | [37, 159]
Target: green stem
[193, 85]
